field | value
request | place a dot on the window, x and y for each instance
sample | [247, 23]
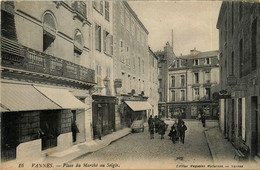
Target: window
[177, 63]
[196, 77]
[107, 43]
[241, 58]
[122, 14]
[196, 93]
[139, 64]
[232, 63]
[98, 72]
[240, 117]
[207, 76]
[121, 51]
[182, 95]
[240, 10]
[98, 5]
[78, 46]
[207, 60]
[196, 62]
[173, 81]
[127, 21]
[107, 10]
[254, 45]
[143, 66]
[98, 37]
[182, 80]
[207, 93]
[232, 16]
[173, 95]
[49, 34]
[133, 27]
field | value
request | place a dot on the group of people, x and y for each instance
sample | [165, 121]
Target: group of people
[157, 125]
[178, 131]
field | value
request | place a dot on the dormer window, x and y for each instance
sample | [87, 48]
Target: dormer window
[196, 62]
[207, 60]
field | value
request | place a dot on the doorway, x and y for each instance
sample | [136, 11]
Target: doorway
[49, 127]
[9, 140]
[254, 120]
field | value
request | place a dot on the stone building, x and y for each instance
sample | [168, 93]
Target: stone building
[103, 44]
[239, 35]
[47, 70]
[192, 81]
[153, 83]
[131, 65]
[165, 59]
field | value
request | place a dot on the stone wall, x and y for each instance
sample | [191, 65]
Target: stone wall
[28, 125]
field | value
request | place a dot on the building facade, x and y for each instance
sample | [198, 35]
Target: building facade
[153, 83]
[165, 59]
[131, 66]
[192, 81]
[47, 70]
[239, 34]
[103, 94]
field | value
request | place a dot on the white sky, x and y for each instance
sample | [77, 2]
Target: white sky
[193, 24]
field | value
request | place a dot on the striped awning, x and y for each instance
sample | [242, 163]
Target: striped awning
[139, 105]
[22, 97]
[61, 97]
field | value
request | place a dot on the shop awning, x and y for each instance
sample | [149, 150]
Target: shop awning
[139, 105]
[21, 97]
[61, 97]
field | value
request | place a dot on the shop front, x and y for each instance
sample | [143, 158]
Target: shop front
[103, 116]
[35, 119]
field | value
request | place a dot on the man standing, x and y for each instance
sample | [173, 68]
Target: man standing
[183, 128]
[150, 121]
[156, 124]
[151, 129]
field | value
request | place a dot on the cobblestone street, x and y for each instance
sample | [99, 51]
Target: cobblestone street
[139, 150]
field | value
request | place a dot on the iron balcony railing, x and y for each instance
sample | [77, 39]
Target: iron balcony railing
[80, 7]
[14, 55]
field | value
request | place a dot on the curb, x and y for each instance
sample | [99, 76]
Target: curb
[210, 146]
[99, 148]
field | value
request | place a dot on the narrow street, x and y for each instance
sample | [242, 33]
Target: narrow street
[139, 150]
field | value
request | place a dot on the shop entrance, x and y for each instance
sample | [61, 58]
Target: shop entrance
[8, 136]
[49, 127]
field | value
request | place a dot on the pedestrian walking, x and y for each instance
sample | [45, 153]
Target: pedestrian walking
[203, 120]
[162, 128]
[173, 133]
[179, 128]
[151, 129]
[156, 124]
[150, 121]
[183, 128]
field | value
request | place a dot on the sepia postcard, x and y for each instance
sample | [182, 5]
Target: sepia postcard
[130, 84]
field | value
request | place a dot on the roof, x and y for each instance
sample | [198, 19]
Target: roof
[221, 14]
[151, 51]
[201, 55]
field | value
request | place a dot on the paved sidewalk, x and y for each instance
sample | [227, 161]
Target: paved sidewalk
[221, 150]
[86, 147]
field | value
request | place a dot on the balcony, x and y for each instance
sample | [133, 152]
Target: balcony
[20, 57]
[80, 10]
